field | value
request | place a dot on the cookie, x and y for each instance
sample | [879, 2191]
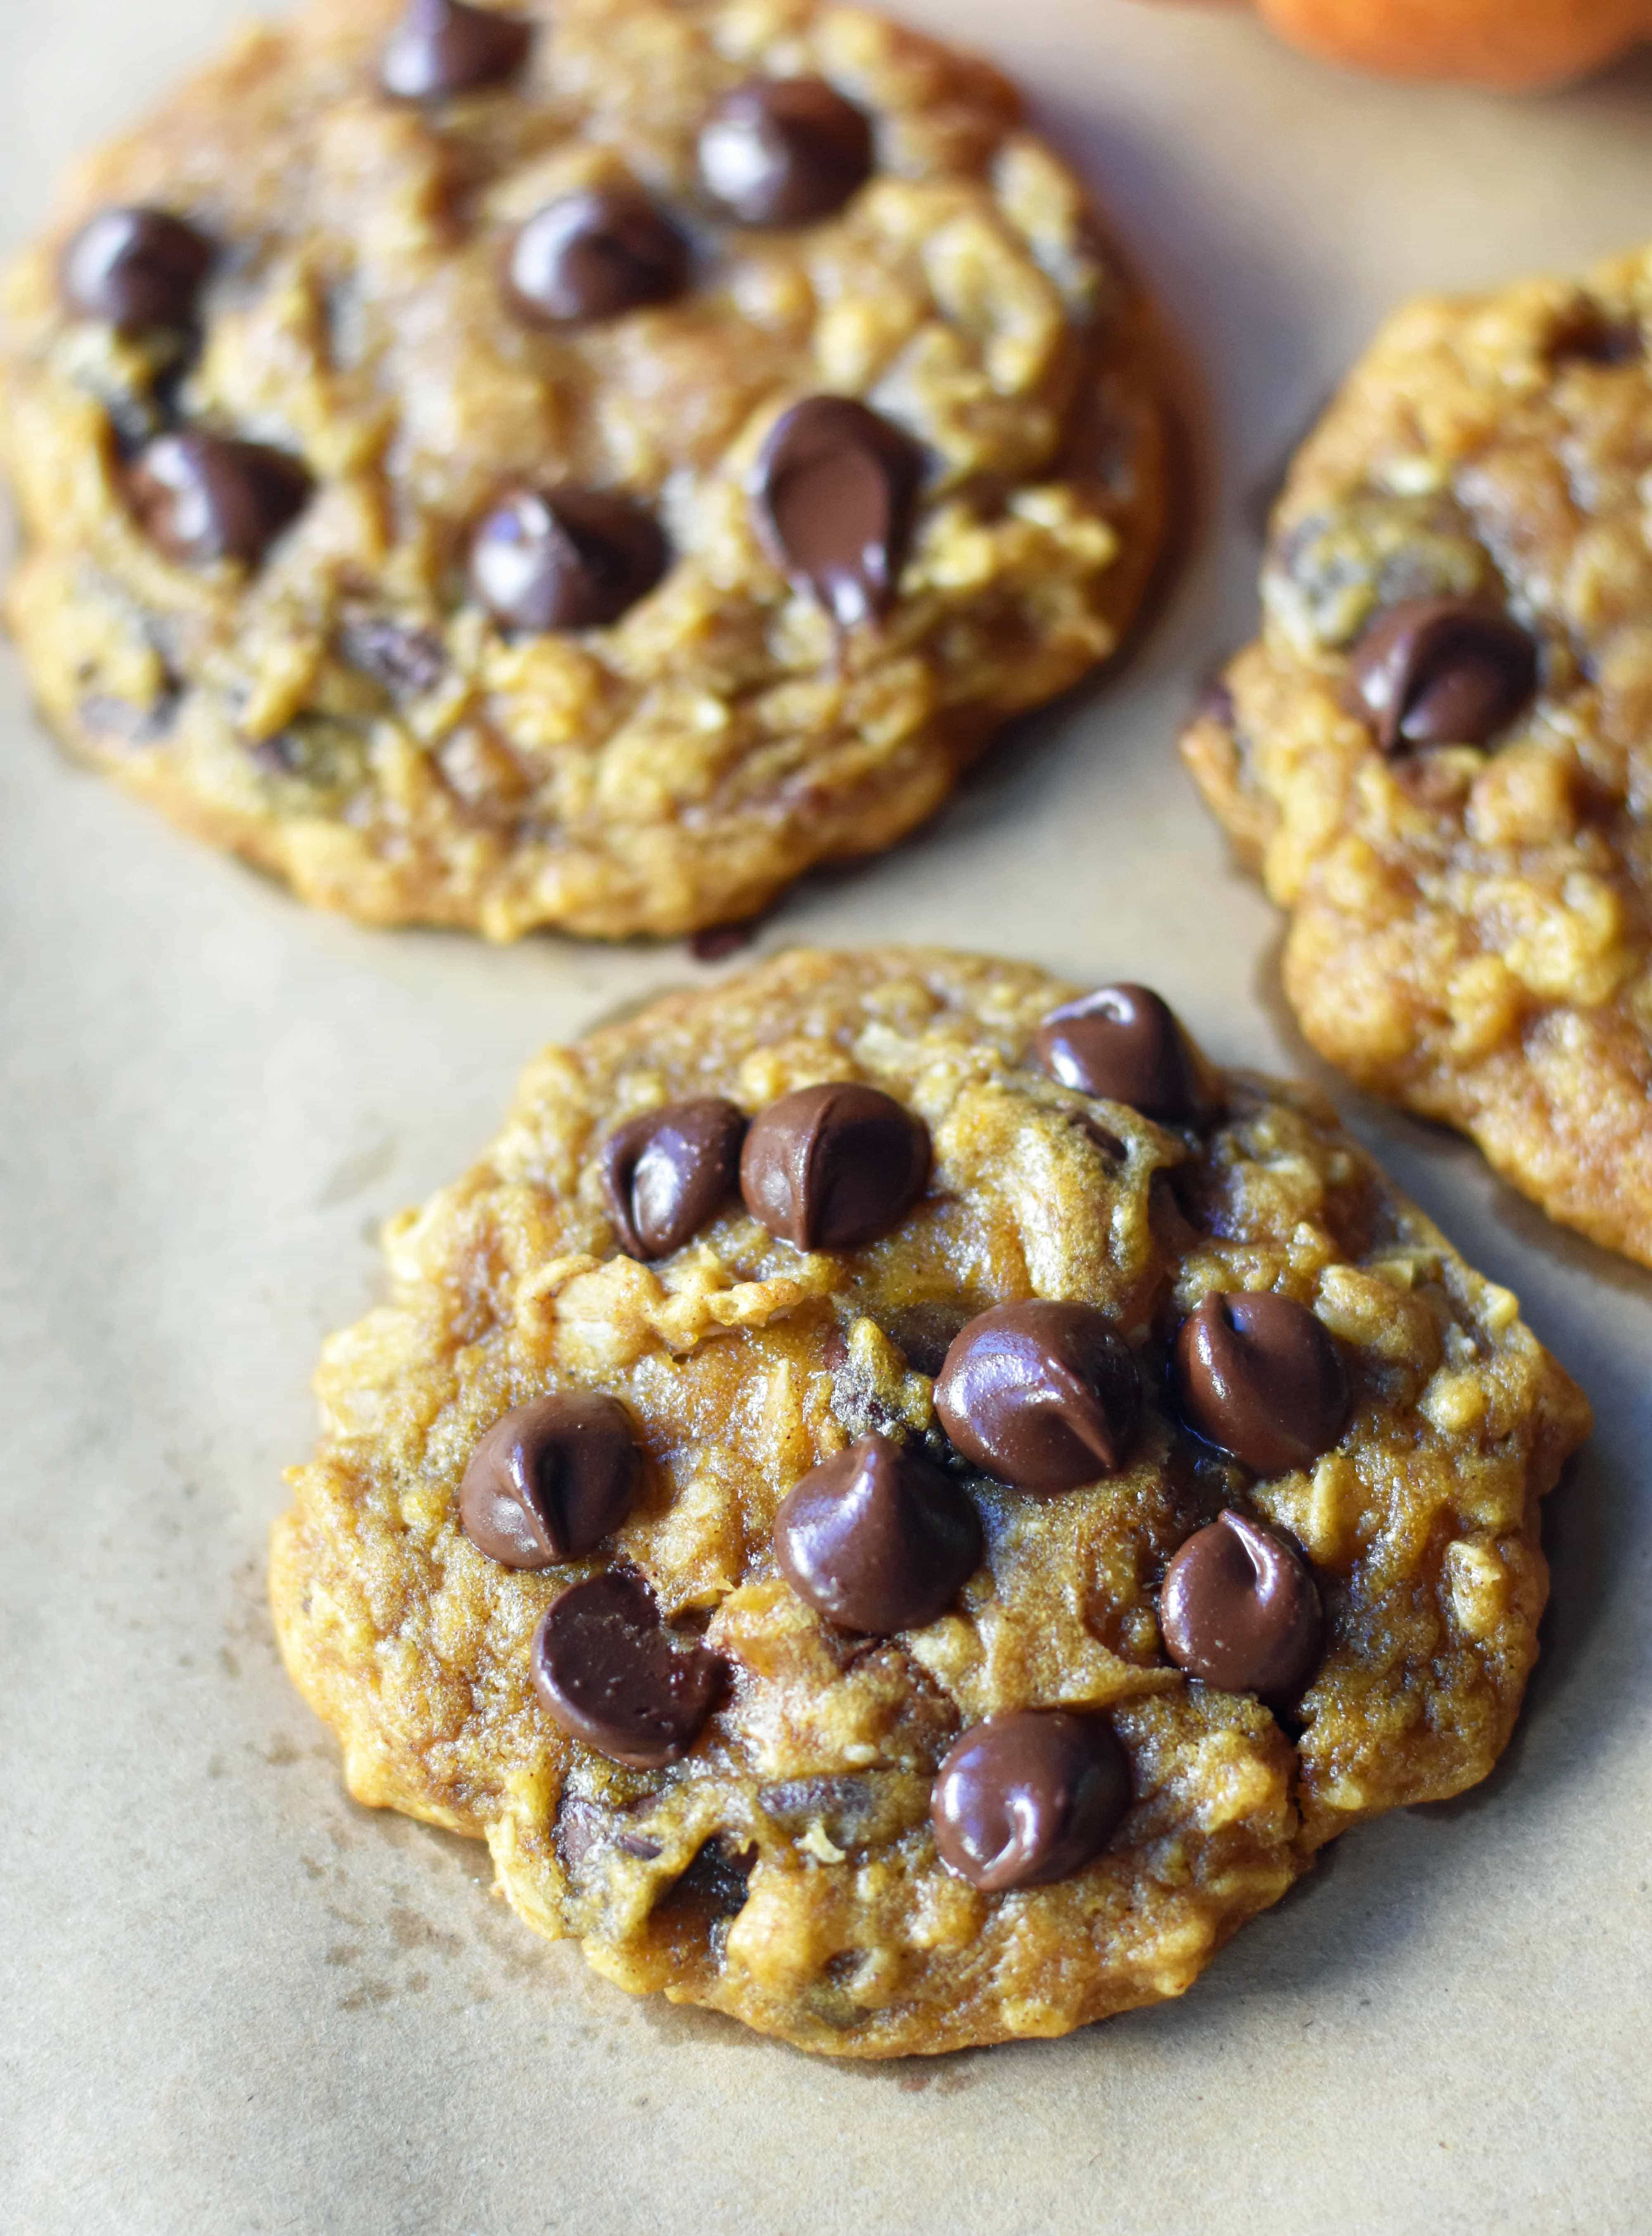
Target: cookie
[580, 466]
[885, 1538]
[1438, 754]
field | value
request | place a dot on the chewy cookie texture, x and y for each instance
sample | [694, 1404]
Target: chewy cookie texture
[1439, 753]
[905, 1506]
[571, 466]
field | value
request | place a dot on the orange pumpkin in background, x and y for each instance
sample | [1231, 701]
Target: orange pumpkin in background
[1514, 45]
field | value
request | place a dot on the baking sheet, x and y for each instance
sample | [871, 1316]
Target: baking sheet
[230, 2000]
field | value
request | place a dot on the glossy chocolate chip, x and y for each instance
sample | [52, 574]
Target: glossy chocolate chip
[136, 268]
[784, 151]
[665, 1173]
[1026, 1798]
[831, 1167]
[442, 47]
[200, 497]
[604, 1665]
[1240, 1608]
[879, 1539]
[1043, 1396]
[565, 559]
[593, 255]
[1260, 1375]
[835, 489]
[549, 1480]
[1443, 672]
[1124, 1044]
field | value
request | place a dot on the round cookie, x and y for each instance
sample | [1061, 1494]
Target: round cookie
[576, 466]
[978, 1623]
[1439, 753]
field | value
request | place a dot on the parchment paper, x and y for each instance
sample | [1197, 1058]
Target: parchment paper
[231, 2000]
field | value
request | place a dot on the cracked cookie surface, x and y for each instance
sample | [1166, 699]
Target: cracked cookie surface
[1470, 906]
[438, 310]
[777, 1857]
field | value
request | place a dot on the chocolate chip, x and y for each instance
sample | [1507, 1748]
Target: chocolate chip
[879, 1539]
[593, 255]
[407, 659]
[1239, 1607]
[200, 497]
[442, 47]
[784, 151]
[1124, 1044]
[136, 268]
[565, 559]
[1593, 335]
[604, 1665]
[720, 941]
[551, 1479]
[835, 489]
[1443, 672]
[665, 1173]
[831, 1167]
[1026, 1798]
[1260, 1375]
[1043, 1396]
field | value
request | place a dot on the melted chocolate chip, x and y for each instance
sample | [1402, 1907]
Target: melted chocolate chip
[407, 659]
[604, 1665]
[879, 1539]
[565, 559]
[1124, 1044]
[1028, 1798]
[549, 1480]
[784, 151]
[1239, 1607]
[1043, 1396]
[1261, 1377]
[200, 497]
[442, 47]
[665, 1173]
[831, 1167]
[835, 490]
[593, 255]
[136, 268]
[1443, 672]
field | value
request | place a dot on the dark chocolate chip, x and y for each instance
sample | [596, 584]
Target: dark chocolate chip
[784, 151]
[549, 1480]
[665, 1173]
[1124, 1044]
[565, 559]
[442, 47]
[200, 497]
[831, 1167]
[879, 1539]
[718, 1879]
[593, 255]
[1028, 1798]
[407, 659]
[136, 268]
[604, 1665]
[1240, 1608]
[1043, 1396]
[835, 490]
[1443, 672]
[1261, 1377]
[1594, 335]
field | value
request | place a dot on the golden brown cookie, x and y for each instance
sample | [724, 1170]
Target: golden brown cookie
[1439, 753]
[578, 465]
[953, 1623]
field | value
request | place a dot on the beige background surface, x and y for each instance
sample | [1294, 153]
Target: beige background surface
[231, 2000]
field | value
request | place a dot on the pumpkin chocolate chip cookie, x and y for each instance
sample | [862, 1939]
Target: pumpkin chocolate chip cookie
[887, 1538]
[1440, 753]
[574, 465]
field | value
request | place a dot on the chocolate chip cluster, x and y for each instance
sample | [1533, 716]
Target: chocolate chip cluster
[836, 487]
[1042, 1397]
